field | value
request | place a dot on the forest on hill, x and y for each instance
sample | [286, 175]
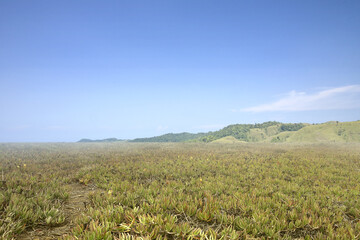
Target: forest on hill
[271, 131]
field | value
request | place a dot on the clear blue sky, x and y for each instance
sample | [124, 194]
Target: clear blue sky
[127, 69]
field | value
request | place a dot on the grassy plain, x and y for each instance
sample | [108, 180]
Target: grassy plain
[180, 191]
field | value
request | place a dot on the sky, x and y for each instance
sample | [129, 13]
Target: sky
[129, 69]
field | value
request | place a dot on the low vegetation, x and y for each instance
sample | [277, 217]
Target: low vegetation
[181, 191]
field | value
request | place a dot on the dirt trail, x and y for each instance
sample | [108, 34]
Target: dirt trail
[76, 204]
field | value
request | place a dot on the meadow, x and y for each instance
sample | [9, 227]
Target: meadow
[179, 191]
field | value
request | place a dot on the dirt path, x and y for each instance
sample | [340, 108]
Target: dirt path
[78, 199]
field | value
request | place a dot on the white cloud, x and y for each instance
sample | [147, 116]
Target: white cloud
[346, 97]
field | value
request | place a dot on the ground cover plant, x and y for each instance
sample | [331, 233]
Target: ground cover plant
[179, 191]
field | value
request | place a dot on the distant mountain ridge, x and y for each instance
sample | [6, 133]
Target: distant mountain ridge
[271, 131]
[171, 137]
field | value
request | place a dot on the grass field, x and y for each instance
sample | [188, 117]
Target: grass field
[179, 191]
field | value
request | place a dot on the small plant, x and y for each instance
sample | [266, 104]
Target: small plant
[191, 191]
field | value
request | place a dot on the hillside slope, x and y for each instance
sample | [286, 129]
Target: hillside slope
[264, 132]
[171, 137]
[325, 132]
[258, 132]
[228, 139]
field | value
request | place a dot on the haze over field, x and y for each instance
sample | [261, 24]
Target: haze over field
[134, 69]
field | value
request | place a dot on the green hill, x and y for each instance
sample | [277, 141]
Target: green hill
[290, 132]
[325, 132]
[171, 137]
[258, 132]
[264, 132]
[241, 132]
